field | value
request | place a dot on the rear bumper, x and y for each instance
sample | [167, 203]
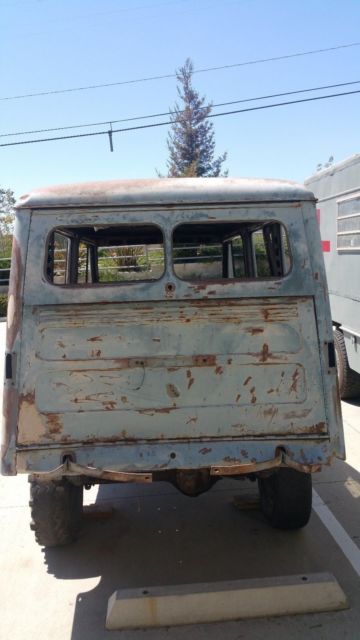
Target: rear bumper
[69, 469]
[138, 462]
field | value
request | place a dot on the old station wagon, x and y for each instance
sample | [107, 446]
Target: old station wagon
[169, 329]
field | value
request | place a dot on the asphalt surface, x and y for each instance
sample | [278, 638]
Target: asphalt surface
[140, 536]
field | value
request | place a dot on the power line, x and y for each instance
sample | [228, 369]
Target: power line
[168, 113]
[173, 75]
[162, 124]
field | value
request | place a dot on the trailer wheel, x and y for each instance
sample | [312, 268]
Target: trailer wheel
[56, 509]
[349, 380]
[286, 497]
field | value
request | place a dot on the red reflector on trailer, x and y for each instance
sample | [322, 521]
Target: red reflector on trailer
[325, 246]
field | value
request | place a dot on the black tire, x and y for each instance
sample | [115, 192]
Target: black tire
[286, 497]
[349, 380]
[56, 510]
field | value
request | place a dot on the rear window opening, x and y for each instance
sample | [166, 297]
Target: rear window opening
[105, 254]
[231, 250]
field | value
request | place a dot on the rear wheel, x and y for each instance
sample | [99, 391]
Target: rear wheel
[349, 380]
[285, 498]
[56, 509]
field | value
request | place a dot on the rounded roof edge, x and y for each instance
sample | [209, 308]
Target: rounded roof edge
[333, 168]
[162, 191]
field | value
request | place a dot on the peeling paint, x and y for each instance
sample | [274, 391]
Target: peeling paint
[138, 390]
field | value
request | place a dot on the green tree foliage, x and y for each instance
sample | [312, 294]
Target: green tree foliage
[191, 140]
[7, 202]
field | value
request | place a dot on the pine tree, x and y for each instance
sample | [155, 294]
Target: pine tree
[191, 141]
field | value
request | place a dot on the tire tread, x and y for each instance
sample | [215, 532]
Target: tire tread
[55, 512]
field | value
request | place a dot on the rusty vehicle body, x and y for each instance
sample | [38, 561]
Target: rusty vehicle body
[168, 330]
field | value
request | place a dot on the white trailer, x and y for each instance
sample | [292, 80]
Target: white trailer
[337, 189]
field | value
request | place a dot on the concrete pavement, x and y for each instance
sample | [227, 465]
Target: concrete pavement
[154, 536]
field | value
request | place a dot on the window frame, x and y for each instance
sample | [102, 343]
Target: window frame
[343, 234]
[73, 257]
[250, 265]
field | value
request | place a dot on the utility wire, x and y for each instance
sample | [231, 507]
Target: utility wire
[174, 75]
[169, 113]
[162, 124]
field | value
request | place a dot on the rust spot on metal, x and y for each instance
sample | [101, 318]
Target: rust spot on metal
[265, 353]
[61, 344]
[29, 398]
[238, 397]
[270, 412]
[10, 403]
[54, 423]
[319, 427]
[109, 405]
[152, 412]
[95, 339]
[244, 453]
[295, 380]
[204, 361]
[156, 339]
[219, 371]
[247, 381]
[95, 353]
[204, 451]
[197, 288]
[190, 378]
[229, 360]
[123, 435]
[124, 399]
[192, 420]
[172, 391]
[255, 331]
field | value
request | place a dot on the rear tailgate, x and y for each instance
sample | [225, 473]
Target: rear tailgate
[171, 370]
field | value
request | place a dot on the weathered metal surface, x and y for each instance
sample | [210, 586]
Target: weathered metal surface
[13, 340]
[100, 377]
[38, 291]
[156, 457]
[167, 375]
[248, 467]
[69, 468]
[169, 191]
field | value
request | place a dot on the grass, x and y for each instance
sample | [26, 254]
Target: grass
[3, 305]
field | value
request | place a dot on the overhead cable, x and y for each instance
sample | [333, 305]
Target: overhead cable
[169, 113]
[174, 75]
[169, 122]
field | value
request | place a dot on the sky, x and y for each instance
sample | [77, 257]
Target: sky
[52, 45]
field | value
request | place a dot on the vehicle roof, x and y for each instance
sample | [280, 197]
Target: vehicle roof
[165, 191]
[333, 168]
